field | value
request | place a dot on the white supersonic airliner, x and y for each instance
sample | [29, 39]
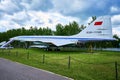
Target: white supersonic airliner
[99, 30]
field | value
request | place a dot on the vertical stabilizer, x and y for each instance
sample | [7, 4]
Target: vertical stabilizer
[100, 28]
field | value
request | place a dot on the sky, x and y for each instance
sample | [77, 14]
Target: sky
[48, 13]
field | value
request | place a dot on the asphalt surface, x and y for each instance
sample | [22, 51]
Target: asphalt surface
[15, 71]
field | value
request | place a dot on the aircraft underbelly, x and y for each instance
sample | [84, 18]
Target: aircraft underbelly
[58, 42]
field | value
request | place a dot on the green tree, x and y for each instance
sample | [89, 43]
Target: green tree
[117, 41]
[59, 29]
[74, 28]
[93, 19]
[68, 29]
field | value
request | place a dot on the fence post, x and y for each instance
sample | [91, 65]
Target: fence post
[28, 54]
[116, 71]
[69, 58]
[43, 58]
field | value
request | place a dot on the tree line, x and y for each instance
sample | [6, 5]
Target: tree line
[68, 29]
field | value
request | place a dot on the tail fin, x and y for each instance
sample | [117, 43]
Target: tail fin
[100, 28]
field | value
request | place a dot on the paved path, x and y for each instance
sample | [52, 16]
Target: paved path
[15, 71]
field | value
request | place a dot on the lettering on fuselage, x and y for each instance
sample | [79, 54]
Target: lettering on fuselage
[89, 32]
[102, 29]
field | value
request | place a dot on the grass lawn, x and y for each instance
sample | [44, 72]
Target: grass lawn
[81, 65]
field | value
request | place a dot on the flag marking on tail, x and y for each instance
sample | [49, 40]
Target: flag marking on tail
[98, 23]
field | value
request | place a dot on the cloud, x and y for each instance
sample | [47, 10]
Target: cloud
[77, 7]
[20, 17]
[114, 9]
[37, 5]
[116, 31]
[6, 25]
[48, 13]
[88, 20]
[67, 6]
[115, 20]
[116, 24]
[34, 18]
[9, 6]
[45, 19]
